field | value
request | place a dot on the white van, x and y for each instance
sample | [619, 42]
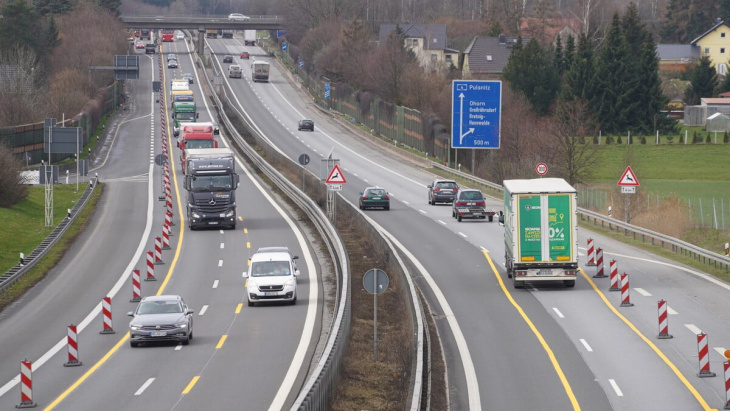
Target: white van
[272, 276]
[234, 71]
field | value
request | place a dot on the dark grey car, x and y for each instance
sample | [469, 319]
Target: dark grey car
[161, 318]
[442, 191]
[469, 204]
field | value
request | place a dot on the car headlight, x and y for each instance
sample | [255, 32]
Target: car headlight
[181, 325]
[231, 213]
[289, 283]
[252, 285]
[135, 327]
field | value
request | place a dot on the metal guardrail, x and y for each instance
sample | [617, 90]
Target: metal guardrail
[678, 246]
[19, 270]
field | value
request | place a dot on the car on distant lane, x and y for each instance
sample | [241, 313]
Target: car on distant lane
[161, 318]
[245, 55]
[469, 203]
[188, 77]
[305, 124]
[374, 197]
[442, 191]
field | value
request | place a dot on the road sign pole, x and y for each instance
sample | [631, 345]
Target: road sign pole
[628, 207]
[375, 316]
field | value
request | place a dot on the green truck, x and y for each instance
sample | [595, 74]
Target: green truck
[183, 112]
[540, 231]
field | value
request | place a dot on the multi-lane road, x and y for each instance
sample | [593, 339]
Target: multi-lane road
[547, 347]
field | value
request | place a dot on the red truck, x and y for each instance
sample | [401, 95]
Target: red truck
[195, 135]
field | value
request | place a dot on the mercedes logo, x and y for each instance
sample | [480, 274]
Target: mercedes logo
[212, 201]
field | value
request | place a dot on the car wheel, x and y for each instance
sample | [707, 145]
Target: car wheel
[360, 205]
[250, 303]
[186, 341]
[294, 301]
[387, 208]
[458, 218]
[133, 344]
[491, 218]
[569, 283]
[190, 336]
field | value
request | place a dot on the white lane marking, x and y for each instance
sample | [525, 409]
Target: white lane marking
[693, 328]
[483, 248]
[642, 292]
[144, 386]
[616, 388]
[220, 263]
[178, 347]
[462, 234]
[406, 202]
[721, 351]
[223, 245]
[441, 222]
[670, 311]
[558, 312]
[422, 212]
[585, 344]
[221, 232]
[123, 280]
[203, 310]
[215, 284]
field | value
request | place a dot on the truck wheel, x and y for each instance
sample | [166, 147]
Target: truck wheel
[458, 218]
[569, 283]
[491, 218]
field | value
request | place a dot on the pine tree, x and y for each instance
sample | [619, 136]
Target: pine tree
[530, 72]
[559, 59]
[570, 52]
[579, 77]
[45, 7]
[18, 27]
[703, 81]
[725, 83]
[609, 79]
[724, 10]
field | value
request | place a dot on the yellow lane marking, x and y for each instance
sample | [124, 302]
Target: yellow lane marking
[221, 341]
[656, 349]
[245, 230]
[191, 385]
[238, 308]
[240, 218]
[545, 346]
[87, 374]
[248, 244]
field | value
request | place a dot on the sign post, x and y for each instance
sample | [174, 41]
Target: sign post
[334, 182]
[628, 183]
[375, 282]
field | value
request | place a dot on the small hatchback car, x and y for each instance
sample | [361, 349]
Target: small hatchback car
[469, 204]
[374, 197]
[172, 64]
[245, 55]
[442, 191]
[188, 77]
[305, 124]
[228, 58]
[161, 318]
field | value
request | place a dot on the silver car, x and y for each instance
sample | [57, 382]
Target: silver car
[161, 318]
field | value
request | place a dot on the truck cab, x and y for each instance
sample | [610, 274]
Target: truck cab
[211, 182]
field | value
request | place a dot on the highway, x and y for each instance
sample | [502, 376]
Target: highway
[239, 355]
[544, 347]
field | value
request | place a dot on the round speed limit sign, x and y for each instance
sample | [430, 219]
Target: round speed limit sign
[541, 169]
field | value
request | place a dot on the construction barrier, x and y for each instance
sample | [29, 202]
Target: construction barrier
[663, 321]
[591, 253]
[165, 237]
[136, 292]
[26, 385]
[158, 251]
[73, 348]
[106, 311]
[704, 355]
[613, 274]
[168, 219]
[726, 366]
[599, 264]
[625, 299]
[150, 267]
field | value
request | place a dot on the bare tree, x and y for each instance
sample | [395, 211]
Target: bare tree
[20, 98]
[12, 190]
[575, 157]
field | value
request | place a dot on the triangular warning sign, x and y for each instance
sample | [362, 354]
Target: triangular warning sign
[335, 176]
[628, 178]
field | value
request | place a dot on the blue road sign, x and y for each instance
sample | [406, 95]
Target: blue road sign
[301, 63]
[283, 45]
[475, 115]
[327, 90]
[280, 33]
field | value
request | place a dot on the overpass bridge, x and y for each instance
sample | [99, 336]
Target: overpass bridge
[201, 24]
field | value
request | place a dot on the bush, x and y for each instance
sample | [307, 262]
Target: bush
[708, 140]
[618, 140]
[726, 139]
[595, 138]
[12, 189]
[669, 139]
[696, 138]
[643, 139]
[609, 140]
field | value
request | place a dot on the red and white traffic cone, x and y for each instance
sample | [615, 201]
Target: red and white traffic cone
[168, 219]
[613, 273]
[591, 253]
[136, 297]
[726, 366]
[106, 310]
[73, 348]
[158, 251]
[663, 321]
[625, 299]
[165, 237]
[26, 385]
[599, 264]
[704, 354]
[150, 267]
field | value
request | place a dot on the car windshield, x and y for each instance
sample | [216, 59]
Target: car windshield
[376, 192]
[211, 183]
[270, 269]
[471, 195]
[159, 307]
[185, 116]
[446, 184]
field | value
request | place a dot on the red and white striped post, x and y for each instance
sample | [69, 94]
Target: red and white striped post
[663, 321]
[165, 237]
[625, 298]
[704, 354]
[26, 385]
[591, 253]
[136, 297]
[158, 251]
[726, 366]
[168, 219]
[613, 273]
[106, 310]
[73, 348]
[150, 267]
[599, 264]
